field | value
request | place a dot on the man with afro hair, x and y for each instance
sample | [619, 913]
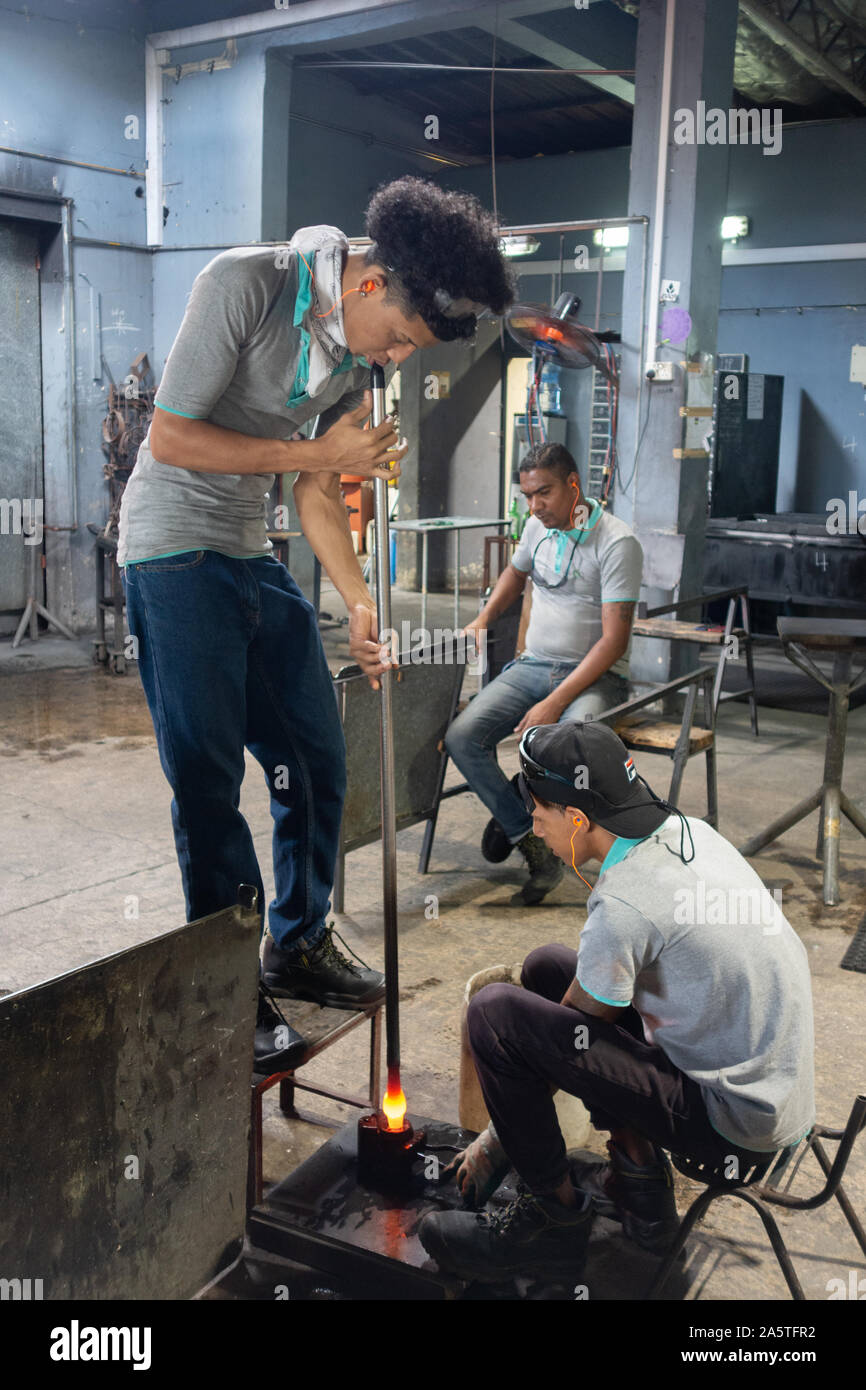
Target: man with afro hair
[229, 649]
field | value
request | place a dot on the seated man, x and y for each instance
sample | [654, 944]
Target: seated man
[683, 1022]
[586, 569]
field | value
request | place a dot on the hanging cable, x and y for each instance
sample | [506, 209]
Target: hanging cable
[492, 122]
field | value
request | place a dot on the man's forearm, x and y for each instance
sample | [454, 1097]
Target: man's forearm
[325, 523]
[508, 587]
[206, 448]
[595, 664]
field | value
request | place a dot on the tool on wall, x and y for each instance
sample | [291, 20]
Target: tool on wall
[387, 1143]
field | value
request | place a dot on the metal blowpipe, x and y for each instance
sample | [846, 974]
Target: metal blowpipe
[394, 1102]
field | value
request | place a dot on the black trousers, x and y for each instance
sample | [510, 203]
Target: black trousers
[524, 1042]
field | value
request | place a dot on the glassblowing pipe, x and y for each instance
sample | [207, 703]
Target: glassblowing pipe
[386, 745]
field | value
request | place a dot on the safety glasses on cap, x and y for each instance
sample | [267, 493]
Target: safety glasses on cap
[535, 772]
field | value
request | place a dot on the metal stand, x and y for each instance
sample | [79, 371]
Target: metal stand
[33, 609]
[840, 639]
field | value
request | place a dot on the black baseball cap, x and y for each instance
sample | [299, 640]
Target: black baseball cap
[587, 766]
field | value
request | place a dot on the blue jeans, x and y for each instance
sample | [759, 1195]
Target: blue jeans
[491, 717]
[230, 655]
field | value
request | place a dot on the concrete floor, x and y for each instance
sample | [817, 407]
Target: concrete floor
[89, 867]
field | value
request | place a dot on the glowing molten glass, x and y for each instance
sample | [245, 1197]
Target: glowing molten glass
[394, 1106]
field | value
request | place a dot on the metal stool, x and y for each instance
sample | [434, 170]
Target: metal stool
[757, 1189]
[678, 739]
[803, 640]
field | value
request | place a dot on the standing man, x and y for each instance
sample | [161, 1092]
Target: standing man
[229, 649]
[585, 567]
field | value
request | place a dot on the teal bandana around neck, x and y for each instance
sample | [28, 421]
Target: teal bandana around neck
[303, 301]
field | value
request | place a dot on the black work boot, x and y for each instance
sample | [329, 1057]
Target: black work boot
[641, 1197]
[495, 844]
[277, 1046]
[545, 871]
[322, 974]
[532, 1235]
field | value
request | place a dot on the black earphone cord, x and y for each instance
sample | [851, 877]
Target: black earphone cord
[685, 829]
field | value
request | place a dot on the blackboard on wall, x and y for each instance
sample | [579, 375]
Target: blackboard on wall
[747, 422]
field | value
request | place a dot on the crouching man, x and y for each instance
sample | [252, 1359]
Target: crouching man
[683, 1022]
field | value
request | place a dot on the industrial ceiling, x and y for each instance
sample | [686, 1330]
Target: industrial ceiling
[807, 57]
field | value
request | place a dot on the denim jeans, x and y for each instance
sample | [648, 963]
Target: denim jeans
[491, 717]
[230, 656]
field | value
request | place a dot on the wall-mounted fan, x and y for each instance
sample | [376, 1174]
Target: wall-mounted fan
[554, 337]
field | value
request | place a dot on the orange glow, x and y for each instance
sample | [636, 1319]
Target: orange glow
[554, 335]
[394, 1106]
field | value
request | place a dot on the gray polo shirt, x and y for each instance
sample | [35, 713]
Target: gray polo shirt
[573, 574]
[716, 972]
[237, 361]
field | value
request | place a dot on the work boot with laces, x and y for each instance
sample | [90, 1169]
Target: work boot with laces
[545, 871]
[641, 1197]
[532, 1235]
[322, 974]
[277, 1047]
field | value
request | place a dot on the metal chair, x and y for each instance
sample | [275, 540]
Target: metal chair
[757, 1188]
[678, 739]
[648, 622]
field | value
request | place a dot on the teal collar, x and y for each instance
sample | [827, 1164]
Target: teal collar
[580, 533]
[577, 534]
[618, 850]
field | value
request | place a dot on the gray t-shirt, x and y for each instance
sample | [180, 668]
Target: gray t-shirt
[572, 578]
[237, 362]
[718, 975]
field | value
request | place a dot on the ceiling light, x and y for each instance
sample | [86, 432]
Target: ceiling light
[611, 237]
[512, 246]
[735, 227]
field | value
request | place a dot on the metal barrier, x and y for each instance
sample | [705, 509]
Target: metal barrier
[426, 690]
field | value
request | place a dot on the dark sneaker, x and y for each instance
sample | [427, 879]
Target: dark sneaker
[545, 871]
[532, 1235]
[495, 844]
[642, 1198]
[322, 974]
[277, 1046]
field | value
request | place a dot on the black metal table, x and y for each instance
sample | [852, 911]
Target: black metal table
[804, 640]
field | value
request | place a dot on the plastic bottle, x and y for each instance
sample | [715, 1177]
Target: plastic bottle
[550, 391]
